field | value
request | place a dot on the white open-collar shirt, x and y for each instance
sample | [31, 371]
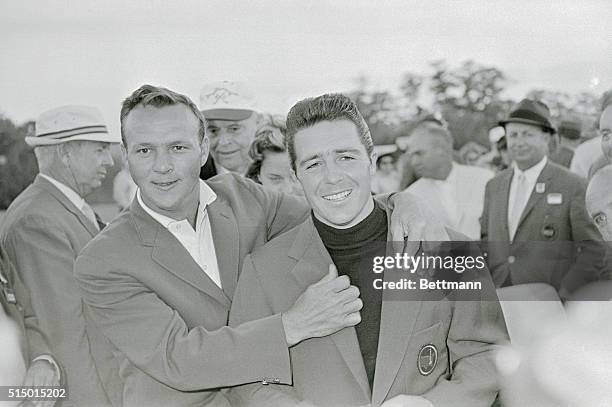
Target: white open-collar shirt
[199, 242]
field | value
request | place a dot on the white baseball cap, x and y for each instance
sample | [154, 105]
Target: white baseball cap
[227, 100]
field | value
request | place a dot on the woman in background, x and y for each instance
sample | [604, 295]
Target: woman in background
[270, 165]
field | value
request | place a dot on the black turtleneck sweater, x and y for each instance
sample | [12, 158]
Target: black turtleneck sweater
[352, 251]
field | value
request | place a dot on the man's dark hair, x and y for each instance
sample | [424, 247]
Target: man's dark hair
[328, 107]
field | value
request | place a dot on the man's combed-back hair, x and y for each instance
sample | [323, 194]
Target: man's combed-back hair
[328, 107]
[149, 95]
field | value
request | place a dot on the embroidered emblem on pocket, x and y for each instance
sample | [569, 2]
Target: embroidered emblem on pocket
[427, 360]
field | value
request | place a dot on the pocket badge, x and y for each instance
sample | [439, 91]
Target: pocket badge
[554, 199]
[427, 360]
[549, 232]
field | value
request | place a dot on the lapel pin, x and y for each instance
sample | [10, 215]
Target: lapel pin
[428, 359]
[9, 294]
[540, 187]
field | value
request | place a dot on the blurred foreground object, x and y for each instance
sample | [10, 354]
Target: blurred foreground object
[567, 360]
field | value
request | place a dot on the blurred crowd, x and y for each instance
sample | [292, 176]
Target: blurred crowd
[538, 198]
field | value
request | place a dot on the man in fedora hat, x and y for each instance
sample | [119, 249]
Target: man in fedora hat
[233, 118]
[534, 213]
[43, 231]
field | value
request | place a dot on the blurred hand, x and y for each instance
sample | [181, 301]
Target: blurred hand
[412, 220]
[41, 373]
[404, 400]
[325, 307]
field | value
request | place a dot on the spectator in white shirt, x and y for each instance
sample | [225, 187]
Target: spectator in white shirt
[454, 191]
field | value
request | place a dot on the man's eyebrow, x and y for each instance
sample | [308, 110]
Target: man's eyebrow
[143, 144]
[309, 158]
[348, 150]
[339, 151]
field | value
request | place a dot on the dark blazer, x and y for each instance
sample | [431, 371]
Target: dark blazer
[42, 233]
[329, 371]
[167, 319]
[555, 242]
[209, 169]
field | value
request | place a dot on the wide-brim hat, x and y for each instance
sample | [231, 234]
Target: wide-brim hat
[532, 112]
[227, 100]
[570, 129]
[71, 123]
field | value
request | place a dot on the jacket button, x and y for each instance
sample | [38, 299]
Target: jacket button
[264, 382]
[511, 259]
[276, 380]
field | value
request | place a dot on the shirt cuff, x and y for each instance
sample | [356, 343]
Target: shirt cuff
[50, 359]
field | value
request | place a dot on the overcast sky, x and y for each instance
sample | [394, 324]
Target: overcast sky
[57, 52]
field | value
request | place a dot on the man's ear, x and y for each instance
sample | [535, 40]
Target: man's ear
[205, 149]
[373, 158]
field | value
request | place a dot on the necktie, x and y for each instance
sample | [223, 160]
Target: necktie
[520, 198]
[91, 215]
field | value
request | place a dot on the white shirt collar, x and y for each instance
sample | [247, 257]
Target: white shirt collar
[531, 174]
[207, 196]
[66, 190]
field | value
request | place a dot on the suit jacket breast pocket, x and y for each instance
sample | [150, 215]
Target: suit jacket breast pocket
[426, 359]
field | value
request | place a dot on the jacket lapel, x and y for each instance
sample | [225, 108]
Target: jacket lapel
[535, 197]
[42, 183]
[313, 263]
[169, 253]
[225, 237]
[397, 321]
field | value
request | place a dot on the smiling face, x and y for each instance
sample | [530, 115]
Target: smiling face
[335, 171]
[230, 141]
[165, 155]
[527, 144]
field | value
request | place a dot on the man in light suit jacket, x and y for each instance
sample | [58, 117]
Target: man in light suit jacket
[159, 280]
[44, 229]
[404, 351]
[534, 215]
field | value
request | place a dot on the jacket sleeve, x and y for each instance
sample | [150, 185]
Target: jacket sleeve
[250, 303]
[476, 330]
[44, 258]
[282, 211]
[591, 251]
[166, 348]
[35, 341]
